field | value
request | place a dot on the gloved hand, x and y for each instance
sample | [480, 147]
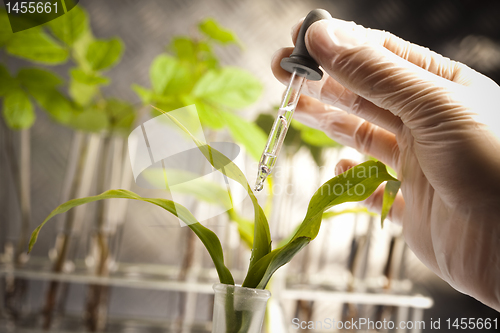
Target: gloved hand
[432, 120]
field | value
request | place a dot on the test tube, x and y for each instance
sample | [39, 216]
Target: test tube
[280, 127]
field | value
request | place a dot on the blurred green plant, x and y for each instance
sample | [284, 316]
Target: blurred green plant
[80, 104]
[190, 73]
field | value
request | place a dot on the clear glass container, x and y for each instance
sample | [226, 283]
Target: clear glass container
[238, 309]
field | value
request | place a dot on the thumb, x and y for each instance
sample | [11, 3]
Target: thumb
[358, 58]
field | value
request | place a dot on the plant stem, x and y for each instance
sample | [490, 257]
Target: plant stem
[96, 308]
[24, 192]
[80, 188]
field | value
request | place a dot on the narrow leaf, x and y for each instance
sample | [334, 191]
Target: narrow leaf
[356, 184]
[390, 192]
[209, 238]
[262, 238]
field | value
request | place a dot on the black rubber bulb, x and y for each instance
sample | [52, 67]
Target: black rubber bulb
[300, 59]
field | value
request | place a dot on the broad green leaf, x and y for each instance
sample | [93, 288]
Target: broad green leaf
[6, 81]
[251, 136]
[88, 78]
[103, 54]
[82, 93]
[70, 26]
[121, 115]
[209, 116]
[80, 49]
[37, 78]
[169, 76]
[262, 238]
[53, 102]
[184, 48]
[36, 45]
[144, 94]
[17, 109]
[356, 184]
[215, 31]
[209, 238]
[232, 87]
[90, 120]
[162, 71]
[390, 192]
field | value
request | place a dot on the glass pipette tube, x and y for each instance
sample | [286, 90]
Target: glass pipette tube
[280, 127]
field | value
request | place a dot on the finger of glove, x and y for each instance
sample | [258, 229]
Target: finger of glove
[375, 201]
[420, 98]
[349, 130]
[329, 91]
[418, 55]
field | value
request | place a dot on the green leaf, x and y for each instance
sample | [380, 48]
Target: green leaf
[121, 115]
[209, 238]
[251, 136]
[103, 54]
[356, 184]
[17, 109]
[82, 93]
[144, 94]
[245, 227]
[184, 48]
[390, 192]
[162, 71]
[6, 81]
[88, 78]
[70, 26]
[80, 49]
[36, 45]
[209, 116]
[313, 136]
[328, 216]
[37, 78]
[262, 238]
[211, 28]
[169, 76]
[53, 102]
[230, 86]
[90, 120]
[5, 29]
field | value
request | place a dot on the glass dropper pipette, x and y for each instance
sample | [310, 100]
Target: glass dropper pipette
[279, 129]
[302, 66]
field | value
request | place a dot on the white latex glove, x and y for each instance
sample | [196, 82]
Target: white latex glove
[427, 117]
